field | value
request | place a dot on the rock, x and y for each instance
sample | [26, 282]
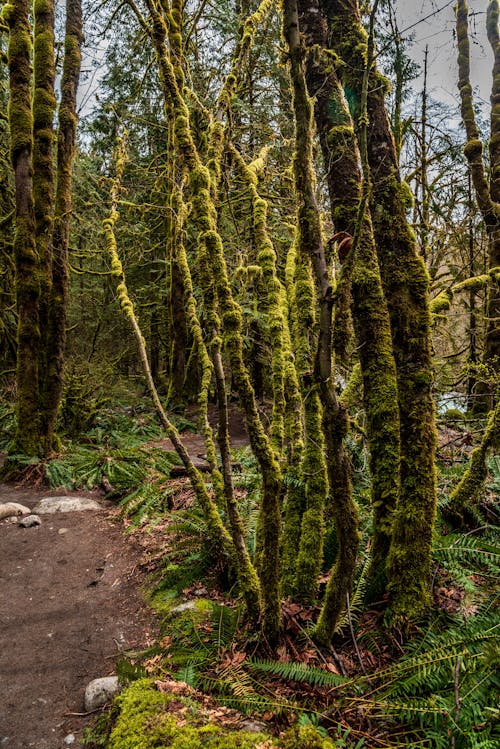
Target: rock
[9, 509]
[49, 505]
[189, 605]
[253, 726]
[100, 691]
[62, 531]
[69, 739]
[30, 521]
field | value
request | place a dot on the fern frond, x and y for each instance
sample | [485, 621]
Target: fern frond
[297, 671]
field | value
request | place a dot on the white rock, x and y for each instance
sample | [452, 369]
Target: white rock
[49, 505]
[69, 739]
[188, 606]
[9, 509]
[29, 521]
[100, 691]
[254, 726]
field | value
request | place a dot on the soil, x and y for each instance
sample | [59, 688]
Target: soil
[70, 603]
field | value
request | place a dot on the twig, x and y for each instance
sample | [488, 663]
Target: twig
[358, 653]
[456, 691]
[83, 715]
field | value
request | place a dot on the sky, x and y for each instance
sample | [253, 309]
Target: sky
[428, 27]
[437, 33]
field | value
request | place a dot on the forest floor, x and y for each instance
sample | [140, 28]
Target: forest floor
[70, 604]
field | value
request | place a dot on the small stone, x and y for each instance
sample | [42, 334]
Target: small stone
[100, 691]
[49, 505]
[8, 509]
[62, 531]
[30, 521]
[253, 726]
[188, 606]
[69, 739]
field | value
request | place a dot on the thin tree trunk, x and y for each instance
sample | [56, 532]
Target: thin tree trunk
[55, 340]
[487, 192]
[44, 106]
[26, 439]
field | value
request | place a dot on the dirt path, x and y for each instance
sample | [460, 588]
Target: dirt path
[69, 604]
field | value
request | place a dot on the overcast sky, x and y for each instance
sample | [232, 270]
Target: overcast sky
[437, 32]
[418, 17]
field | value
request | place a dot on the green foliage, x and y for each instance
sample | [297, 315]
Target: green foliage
[297, 671]
[135, 469]
[446, 684]
[7, 424]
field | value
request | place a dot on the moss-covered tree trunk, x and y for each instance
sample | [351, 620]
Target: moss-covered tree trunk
[487, 190]
[26, 439]
[405, 284]
[342, 160]
[310, 253]
[44, 107]
[55, 335]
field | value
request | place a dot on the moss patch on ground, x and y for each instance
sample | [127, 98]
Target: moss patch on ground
[169, 715]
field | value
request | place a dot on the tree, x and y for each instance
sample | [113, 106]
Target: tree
[487, 189]
[43, 205]
[405, 283]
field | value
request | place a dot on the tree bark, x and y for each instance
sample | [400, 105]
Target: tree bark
[55, 336]
[405, 284]
[26, 439]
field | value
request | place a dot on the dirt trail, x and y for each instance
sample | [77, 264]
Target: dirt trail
[69, 604]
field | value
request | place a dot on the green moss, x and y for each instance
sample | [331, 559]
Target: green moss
[472, 482]
[147, 718]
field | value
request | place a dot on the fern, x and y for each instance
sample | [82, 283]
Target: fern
[460, 664]
[300, 672]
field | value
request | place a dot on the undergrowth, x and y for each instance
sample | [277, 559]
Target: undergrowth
[439, 690]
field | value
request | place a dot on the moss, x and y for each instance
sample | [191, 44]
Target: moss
[148, 718]
[305, 737]
[441, 303]
[472, 482]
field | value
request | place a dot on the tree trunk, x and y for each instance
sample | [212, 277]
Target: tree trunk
[371, 319]
[310, 251]
[44, 106]
[405, 284]
[26, 439]
[55, 337]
